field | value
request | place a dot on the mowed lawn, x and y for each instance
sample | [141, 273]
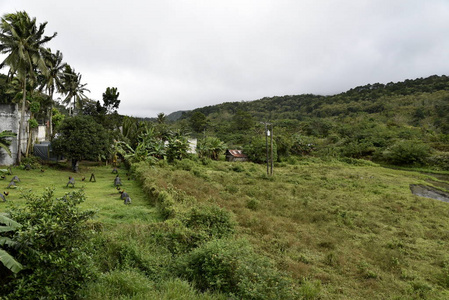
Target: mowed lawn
[101, 194]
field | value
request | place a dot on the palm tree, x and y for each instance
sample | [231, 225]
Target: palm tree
[53, 81]
[23, 42]
[73, 88]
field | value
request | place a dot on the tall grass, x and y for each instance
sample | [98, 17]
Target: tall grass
[353, 227]
[336, 230]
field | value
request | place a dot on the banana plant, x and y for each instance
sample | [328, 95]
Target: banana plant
[5, 142]
[6, 259]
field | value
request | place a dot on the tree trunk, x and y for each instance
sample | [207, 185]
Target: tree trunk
[22, 119]
[29, 139]
[50, 130]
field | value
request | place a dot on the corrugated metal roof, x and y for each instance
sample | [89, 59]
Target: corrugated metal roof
[237, 153]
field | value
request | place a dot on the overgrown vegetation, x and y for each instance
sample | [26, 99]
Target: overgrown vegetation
[318, 229]
[52, 244]
[321, 229]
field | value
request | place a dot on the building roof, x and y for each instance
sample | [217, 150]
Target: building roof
[236, 153]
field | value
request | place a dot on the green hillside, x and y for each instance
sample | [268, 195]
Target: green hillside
[403, 123]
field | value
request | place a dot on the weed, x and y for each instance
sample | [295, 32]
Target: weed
[310, 289]
[252, 204]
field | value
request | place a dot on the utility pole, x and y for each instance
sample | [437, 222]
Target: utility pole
[271, 147]
[266, 143]
[269, 133]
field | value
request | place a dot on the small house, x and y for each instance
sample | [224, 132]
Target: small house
[235, 155]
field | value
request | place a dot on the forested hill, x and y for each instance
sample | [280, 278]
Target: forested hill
[359, 99]
[400, 123]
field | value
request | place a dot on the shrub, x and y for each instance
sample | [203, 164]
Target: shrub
[33, 161]
[194, 227]
[310, 289]
[213, 221]
[166, 205]
[303, 145]
[176, 237]
[232, 267]
[55, 247]
[252, 204]
[407, 153]
[358, 149]
[185, 164]
[439, 160]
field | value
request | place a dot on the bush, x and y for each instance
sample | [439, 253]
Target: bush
[407, 153]
[176, 237]
[358, 149]
[213, 221]
[55, 248]
[33, 161]
[166, 205]
[193, 228]
[185, 164]
[303, 145]
[232, 267]
[439, 160]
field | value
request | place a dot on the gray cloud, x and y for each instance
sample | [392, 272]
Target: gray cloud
[173, 55]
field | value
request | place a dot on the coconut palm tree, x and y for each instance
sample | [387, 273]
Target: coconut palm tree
[23, 42]
[53, 81]
[73, 88]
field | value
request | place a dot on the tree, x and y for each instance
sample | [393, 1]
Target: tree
[53, 80]
[161, 118]
[110, 100]
[81, 138]
[257, 150]
[73, 88]
[210, 147]
[242, 120]
[93, 108]
[198, 121]
[178, 146]
[23, 42]
[5, 96]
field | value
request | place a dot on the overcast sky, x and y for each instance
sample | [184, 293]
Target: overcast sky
[170, 55]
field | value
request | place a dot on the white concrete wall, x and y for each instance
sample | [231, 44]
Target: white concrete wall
[9, 120]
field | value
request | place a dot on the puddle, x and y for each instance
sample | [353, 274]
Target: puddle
[429, 192]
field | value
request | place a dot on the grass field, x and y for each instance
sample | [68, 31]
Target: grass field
[101, 194]
[339, 230]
